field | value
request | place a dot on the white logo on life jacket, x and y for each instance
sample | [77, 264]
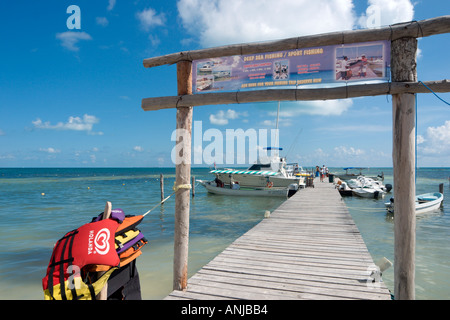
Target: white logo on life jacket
[101, 241]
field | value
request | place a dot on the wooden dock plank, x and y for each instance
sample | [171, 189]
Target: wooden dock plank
[309, 248]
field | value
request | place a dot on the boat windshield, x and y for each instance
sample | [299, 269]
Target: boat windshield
[260, 167]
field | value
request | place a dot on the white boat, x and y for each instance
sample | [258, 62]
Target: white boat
[351, 175]
[205, 68]
[424, 202]
[212, 187]
[277, 173]
[368, 188]
[369, 192]
[343, 188]
[272, 171]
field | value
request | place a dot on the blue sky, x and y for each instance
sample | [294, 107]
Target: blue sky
[72, 98]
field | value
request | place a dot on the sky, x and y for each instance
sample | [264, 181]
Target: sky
[70, 94]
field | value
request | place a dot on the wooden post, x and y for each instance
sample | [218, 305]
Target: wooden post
[403, 68]
[161, 184]
[183, 175]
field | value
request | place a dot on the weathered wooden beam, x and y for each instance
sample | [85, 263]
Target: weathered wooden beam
[403, 68]
[342, 92]
[182, 178]
[414, 29]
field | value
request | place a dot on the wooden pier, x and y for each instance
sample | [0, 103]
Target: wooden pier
[309, 248]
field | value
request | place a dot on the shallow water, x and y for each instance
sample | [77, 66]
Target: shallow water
[38, 206]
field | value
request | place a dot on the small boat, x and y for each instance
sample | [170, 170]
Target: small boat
[351, 175]
[343, 188]
[368, 187]
[424, 202]
[369, 191]
[205, 68]
[212, 187]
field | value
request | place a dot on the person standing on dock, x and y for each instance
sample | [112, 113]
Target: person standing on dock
[363, 66]
[322, 173]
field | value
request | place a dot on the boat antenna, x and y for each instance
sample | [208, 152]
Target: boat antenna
[276, 127]
[294, 142]
[278, 113]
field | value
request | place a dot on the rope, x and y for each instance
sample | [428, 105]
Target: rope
[175, 189]
[181, 186]
[434, 93]
[158, 204]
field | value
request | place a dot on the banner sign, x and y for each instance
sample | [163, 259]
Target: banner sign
[327, 64]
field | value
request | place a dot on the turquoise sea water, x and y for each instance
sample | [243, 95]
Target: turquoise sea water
[39, 205]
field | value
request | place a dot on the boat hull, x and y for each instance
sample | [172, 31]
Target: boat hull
[261, 181]
[246, 192]
[426, 202]
[368, 193]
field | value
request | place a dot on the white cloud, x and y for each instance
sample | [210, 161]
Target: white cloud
[111, 4]
[386, 12]
[148, 18]
[102, 21]
[154, 40]
[7, 157]
[221, 117]
[138, 149]
[318, 107]
[49, 150]
[73, 123]
[70, 39]
[436, 140]
[357, 128]
[420, 139]
[220, 22]
[347, 151]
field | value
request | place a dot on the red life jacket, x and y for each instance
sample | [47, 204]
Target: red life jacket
[90, 244]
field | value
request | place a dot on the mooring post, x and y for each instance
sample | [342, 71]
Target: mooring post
[183, 175]
[403, 68]
[161, 185]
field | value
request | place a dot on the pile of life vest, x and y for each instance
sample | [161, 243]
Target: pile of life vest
[101, 252]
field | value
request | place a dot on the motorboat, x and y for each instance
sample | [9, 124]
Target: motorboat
[343, 188]
[350, 174]
[274, 173]
[425, 202]
[267, 172]
[369, 192]
[205, 68]
[368, 188]
[232, 190]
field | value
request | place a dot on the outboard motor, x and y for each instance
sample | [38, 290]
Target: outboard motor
[388, 187]
[293, 187]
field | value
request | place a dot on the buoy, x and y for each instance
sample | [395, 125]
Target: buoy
[42, 194]
[89, 188]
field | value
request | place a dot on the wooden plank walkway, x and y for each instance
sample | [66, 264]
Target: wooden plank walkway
[309, 248]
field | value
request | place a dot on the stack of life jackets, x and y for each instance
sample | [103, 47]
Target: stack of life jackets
[84, 260]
